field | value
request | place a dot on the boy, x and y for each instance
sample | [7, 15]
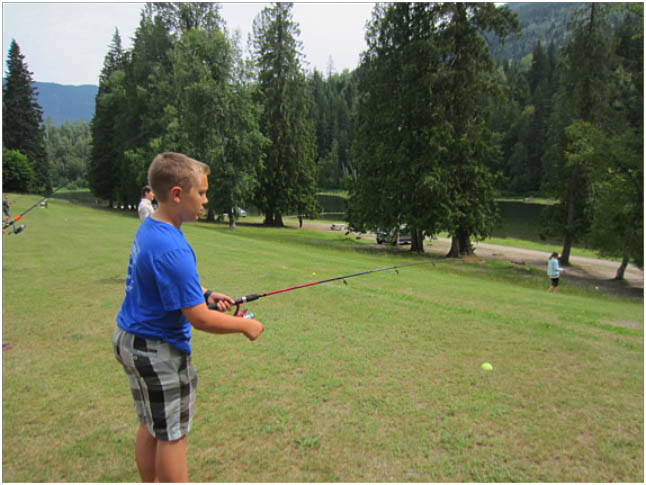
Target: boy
[145, 207]
[163, 299]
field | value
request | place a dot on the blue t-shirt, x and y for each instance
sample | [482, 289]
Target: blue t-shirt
[162, 279]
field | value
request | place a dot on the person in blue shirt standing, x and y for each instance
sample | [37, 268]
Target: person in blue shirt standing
[554, 271]
[163, 300]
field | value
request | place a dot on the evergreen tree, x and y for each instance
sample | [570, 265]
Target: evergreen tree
[589, 57]
[145, 93]
[180, 17]
[333, 100]
[462, 136]
[617, 171]
[423, 148]
[288, 176]
[398, 172]
[105, 126]
[22, 128]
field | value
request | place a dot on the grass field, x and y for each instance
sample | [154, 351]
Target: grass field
[376, 381]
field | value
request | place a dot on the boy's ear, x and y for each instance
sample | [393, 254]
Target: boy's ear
[176, 193]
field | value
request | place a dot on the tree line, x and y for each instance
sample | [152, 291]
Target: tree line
[427, 131]
[185, 86]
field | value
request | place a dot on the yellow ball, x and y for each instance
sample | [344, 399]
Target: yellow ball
[486, 366]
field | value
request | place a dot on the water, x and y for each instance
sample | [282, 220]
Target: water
[520, 220]
[333, 208]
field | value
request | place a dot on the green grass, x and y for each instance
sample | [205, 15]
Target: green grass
[379, 380]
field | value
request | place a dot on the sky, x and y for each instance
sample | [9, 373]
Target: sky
[66, 43]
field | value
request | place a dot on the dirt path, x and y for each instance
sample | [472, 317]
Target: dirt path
[597, 273]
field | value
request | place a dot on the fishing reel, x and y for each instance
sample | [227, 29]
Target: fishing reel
[16, 229]
[244, 314]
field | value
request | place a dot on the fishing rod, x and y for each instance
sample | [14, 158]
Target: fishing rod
[21, 227]
[248, 298]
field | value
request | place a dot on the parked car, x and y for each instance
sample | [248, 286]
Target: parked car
[239, 212]
[395, 236]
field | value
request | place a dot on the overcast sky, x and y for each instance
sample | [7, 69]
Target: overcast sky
[66, 43]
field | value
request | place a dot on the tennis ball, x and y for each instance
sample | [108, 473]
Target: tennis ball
[313, 274]
[486, 366]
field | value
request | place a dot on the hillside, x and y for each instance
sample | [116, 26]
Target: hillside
[66, 103]
[546, 22]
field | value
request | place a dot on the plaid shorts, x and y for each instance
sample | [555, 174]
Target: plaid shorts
[163, 383]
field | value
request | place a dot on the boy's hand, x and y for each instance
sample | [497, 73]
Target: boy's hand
[223, 301]
[253, 328]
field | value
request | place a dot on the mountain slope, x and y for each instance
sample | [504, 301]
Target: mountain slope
[66, 103]
[546, 22]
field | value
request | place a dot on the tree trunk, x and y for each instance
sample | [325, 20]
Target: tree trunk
[273, 219]
[269, 218]
[569, 231]
[627, 250]
[417, 241]
[460, 244]
[232, 218]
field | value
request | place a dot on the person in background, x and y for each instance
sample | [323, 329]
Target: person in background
[145, 207]
[554, 271]
[6, 208]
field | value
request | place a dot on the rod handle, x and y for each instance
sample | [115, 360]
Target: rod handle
[239, 301]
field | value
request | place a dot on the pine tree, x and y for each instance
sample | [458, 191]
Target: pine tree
[398, 171]
[180, 17]
[22, 119]
[105, 154]
[589, 57]
[617, 171]
[332, 103]
[464, 80]
[288, 177]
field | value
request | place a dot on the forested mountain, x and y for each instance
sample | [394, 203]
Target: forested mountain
[65, 103]
[545, 22]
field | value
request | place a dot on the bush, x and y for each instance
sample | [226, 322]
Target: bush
[17, 172]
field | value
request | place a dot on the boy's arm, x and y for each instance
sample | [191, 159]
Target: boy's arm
[216, 322]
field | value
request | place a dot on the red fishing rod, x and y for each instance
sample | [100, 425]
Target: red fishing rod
[248, 298]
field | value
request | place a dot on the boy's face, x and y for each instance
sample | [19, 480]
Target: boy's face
[192, 204]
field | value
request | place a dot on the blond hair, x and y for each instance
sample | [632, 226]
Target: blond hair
[169, 169]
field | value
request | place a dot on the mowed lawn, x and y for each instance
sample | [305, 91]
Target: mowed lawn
[377, 380]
